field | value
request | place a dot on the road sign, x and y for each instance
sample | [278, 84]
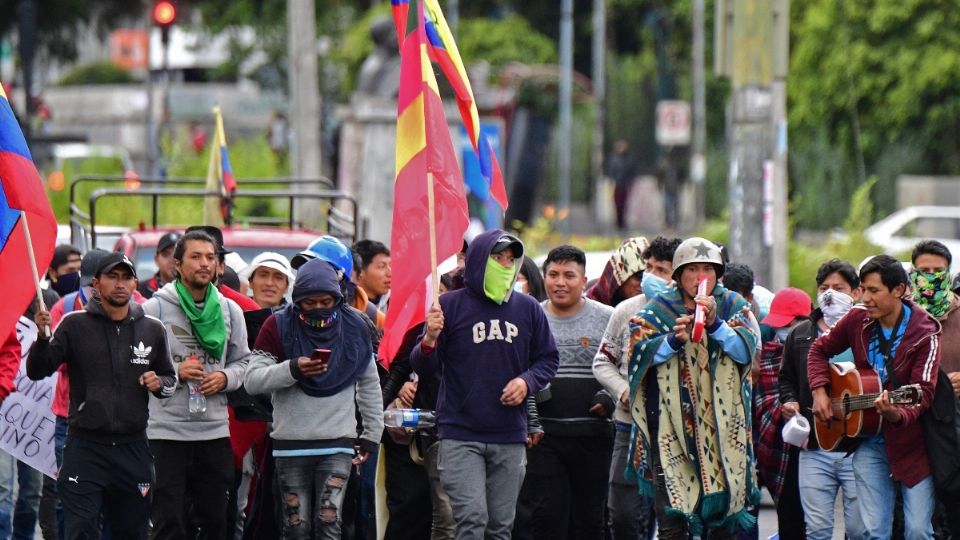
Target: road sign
[673, 123]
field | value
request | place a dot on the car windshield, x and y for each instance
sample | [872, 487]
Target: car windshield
[931, 227]
[146, 268]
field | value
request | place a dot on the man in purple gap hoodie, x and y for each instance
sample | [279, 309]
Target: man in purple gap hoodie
[495, 350]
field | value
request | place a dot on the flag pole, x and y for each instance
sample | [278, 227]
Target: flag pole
[431, 211]
[33, 266]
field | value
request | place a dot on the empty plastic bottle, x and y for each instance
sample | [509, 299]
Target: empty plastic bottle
[409, 418]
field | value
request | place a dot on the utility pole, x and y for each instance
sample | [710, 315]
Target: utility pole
[779, 206]
[566, 111]
[151, 135]
[304, 100]
[752, 37]
[453, 15]
[27, 28]
[698, 159]
[599, 91]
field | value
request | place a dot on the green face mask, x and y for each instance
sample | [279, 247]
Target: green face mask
[497, 280]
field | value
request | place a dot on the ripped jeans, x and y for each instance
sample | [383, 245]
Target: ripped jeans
[310, 495]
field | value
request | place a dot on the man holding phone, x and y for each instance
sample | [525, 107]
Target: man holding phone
[316, 360]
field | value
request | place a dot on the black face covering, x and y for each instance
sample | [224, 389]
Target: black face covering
[67, 283]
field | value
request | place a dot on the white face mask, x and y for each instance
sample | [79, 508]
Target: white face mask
[782, 334]
[834, 305]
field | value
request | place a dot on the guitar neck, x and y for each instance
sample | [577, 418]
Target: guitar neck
[868, 401]
[861, 402]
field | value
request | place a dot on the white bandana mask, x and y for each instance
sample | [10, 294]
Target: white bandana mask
[834, 305]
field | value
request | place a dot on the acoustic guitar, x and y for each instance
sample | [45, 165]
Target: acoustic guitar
[853, 392]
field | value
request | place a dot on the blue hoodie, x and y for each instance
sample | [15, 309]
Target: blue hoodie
[482, 347]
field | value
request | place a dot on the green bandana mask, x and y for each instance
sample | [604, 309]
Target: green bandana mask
[932, 291]
[498, 280]
[208, 325]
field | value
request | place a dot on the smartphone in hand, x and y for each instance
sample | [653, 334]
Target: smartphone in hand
[323, 355]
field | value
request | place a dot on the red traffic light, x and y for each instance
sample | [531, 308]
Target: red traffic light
[164, 13]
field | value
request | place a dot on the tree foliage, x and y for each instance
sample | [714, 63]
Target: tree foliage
[878, 82]
[500, 42]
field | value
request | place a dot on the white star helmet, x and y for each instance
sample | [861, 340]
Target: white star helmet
[697, 250]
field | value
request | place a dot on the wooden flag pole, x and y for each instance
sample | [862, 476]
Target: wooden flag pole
[432, 218]
[33, 265]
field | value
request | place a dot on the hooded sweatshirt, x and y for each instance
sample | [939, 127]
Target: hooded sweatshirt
[108, 404]
[307, 422]
[170, 418]
[482, 347]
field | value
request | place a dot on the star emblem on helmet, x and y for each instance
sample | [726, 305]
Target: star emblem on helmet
[703, 250]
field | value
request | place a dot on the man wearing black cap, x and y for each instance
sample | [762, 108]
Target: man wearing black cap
[63, 273]
[107, 464]
[491, 349]
[166, 268]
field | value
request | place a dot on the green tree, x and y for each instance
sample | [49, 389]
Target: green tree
[879, 84]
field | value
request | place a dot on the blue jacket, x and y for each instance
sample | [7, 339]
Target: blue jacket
[482, 347]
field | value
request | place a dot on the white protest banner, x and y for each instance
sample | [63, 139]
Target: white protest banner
[26, 422]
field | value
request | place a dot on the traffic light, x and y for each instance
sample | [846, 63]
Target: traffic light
[164, 14]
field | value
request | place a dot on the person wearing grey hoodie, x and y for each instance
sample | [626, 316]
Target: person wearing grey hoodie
[189, 439]
[316, 397]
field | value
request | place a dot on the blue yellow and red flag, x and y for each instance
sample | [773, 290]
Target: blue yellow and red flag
[220, 177]
[443, 50]
[400, 9]
[424, 153]
[23, 204]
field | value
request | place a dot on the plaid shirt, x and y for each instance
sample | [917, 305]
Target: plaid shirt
[772, 452]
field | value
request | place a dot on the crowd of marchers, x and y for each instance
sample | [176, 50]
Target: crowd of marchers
[221, 398]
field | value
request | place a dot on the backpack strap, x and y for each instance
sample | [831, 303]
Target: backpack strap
[69, 301]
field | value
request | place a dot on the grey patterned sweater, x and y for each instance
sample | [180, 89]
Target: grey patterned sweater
[574, 389]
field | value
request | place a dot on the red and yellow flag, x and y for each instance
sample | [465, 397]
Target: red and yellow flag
[423, 146]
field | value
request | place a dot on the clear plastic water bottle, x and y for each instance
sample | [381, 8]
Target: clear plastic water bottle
[409, 418]
[198, 401]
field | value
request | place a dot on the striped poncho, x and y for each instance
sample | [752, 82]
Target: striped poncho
[704, 408]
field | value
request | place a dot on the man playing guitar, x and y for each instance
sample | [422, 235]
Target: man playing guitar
[900, 341]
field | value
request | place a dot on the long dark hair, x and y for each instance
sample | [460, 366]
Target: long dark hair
[535, 286]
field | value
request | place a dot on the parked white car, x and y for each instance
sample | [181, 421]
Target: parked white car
[901, 230]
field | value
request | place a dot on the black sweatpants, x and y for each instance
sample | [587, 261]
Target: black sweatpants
[564, 492]
[408, 494]
[194, 479]
[118, 479]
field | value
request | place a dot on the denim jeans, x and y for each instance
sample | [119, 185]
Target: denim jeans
[483, 482]
[875, 491]
[310, 492]
[822, 473]
[24, 511]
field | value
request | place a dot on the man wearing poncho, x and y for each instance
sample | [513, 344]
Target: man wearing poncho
[692, 451]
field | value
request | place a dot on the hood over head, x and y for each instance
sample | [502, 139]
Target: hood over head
[316, 277]
[479, 252]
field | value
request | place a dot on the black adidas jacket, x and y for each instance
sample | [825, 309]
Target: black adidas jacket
[106, 359]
